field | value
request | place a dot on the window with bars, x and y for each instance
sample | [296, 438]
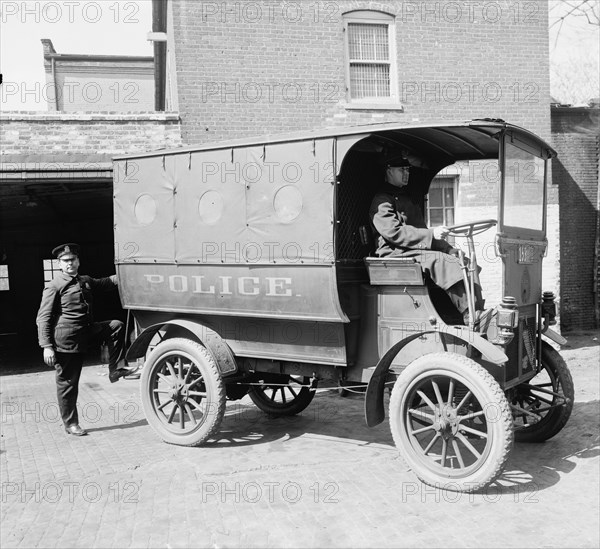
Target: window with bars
[441, 202]
[51, 269]
[370, 54]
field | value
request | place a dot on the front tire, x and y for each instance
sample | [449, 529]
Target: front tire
[451, 422]
[549, 396]
[183, 395]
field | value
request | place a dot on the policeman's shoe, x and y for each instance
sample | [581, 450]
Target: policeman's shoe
[119, 373]
[134, 373]
[75, 429]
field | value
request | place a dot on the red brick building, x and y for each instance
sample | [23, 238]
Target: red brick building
[237, 69]
[249, 68]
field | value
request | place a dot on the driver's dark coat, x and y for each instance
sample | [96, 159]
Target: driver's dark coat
[401, 232]
[65, 319]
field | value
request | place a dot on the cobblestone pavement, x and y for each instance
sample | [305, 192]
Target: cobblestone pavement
[320, 479]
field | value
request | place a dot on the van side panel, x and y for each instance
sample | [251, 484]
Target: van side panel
[241, 230]
[271, 339]
[274, 291]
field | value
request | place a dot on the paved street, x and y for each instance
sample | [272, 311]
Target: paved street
[320, 479]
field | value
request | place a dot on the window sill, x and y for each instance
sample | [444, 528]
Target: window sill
[373, 107]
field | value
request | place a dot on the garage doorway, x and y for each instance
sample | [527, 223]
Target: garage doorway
[35, 216]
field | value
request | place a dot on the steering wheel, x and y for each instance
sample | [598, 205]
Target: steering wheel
[471, 228]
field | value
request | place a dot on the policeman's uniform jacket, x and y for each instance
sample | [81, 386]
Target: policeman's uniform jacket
[401, 231]
[65, 318]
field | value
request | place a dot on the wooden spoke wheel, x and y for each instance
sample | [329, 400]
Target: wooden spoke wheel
[281, 395]
[451, 422]
[183, 394]
[542, 406]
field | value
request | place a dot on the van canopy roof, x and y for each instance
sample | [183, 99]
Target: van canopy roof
[453, 141]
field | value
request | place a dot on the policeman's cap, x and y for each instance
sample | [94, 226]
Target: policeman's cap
[398, 161]
[64, 249]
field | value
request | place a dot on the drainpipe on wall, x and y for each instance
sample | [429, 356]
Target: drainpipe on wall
[597, 254]
[50, 55]
[53, 61]
[159, 37]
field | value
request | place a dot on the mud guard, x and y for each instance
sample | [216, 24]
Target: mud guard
[554, 336]
[374, 410]
[213, 342]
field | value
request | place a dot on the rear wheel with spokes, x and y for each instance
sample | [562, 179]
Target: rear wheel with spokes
[281, 394]
[451, 422]
[183, 395]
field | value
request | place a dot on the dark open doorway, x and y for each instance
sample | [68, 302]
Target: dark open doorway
[35, 216]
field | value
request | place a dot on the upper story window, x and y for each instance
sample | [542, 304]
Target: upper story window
[370, 54]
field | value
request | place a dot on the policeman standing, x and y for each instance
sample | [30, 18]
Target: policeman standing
[66, 327]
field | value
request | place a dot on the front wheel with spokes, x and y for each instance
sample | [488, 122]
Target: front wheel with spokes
[451, 422]
[182, 392]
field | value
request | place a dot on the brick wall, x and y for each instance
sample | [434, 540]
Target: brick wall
[576, 139]
[274, 67]
[60, 135]
[271, 67]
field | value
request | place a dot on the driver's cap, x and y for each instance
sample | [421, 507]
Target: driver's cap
[398, 161]
[70, 248]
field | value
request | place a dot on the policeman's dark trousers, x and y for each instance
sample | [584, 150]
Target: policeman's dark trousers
[110, 332]
[445, 271]
[68, 371]
[458, 296]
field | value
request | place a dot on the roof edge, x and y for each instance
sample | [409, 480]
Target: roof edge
[335, 132]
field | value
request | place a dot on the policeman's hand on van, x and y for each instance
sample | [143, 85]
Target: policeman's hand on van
[49, 357]
[440, 232]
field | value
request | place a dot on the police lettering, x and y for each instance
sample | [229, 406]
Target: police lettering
[224, 285]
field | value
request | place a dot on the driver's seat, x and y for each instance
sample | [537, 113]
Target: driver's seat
[440, 299]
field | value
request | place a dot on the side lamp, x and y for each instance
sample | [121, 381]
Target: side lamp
[548, 309]
[507, 320]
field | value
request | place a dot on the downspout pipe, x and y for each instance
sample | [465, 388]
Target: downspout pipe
[159, 24]
[53, 61]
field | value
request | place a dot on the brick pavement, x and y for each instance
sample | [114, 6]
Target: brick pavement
[320, 479]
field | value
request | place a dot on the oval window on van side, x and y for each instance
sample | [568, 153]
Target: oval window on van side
[287, 203]
[145, 209]
[210, 207]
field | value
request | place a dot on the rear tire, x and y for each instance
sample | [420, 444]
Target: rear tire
[183, 395]
[287, 396]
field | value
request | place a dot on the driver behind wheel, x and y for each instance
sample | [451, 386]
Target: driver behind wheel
[400, 231]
